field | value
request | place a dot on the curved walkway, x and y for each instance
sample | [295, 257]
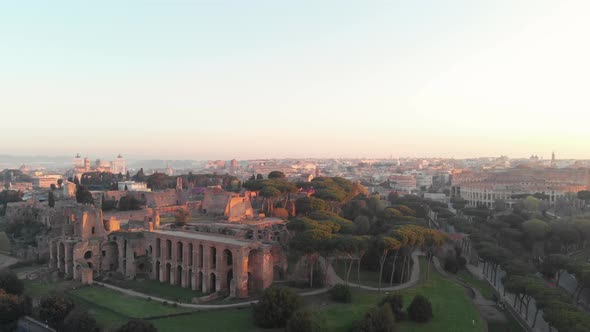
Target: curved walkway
[197, 306]
[414, 277]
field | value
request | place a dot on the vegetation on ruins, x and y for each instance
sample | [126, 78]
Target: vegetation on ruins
[181, 217]
[83, 195]
[276, 306]
[341, 293]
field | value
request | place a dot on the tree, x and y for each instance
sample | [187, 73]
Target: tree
[80, 321]
[140, 176]
[128, 203]
[305, 321]
[275, 307]
[181, 217]
[396, 303]
[12, 307]
[54, 309]
[83, 195]
[584, 195]
[310, 242]
[306, 205]
[384, 245]
[553, 264]
[51, 199]
[535, 229]
[377, 319]
[281, 213]
[10, 282]
[276, 175]
[270, 194]
[420, 310]
[136, 325]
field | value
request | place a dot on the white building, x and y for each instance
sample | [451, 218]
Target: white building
[118, 165]
[133, 186]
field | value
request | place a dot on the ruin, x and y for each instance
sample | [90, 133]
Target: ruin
[229, 252]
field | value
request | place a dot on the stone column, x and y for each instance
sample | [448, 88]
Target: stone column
[240, 266]
[220, 270]
[267, 267]
[69, 259]
[206, 270]
[52, 255]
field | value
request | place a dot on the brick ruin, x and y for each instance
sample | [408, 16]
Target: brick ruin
[232, 253]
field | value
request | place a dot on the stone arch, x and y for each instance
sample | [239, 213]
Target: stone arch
[228, 257]
[200, 281]
[179, 251]
[189, 282]
[158, 277]
[168, 249]
[178, 276]
[167, 272]
[201, 254]
[88, 254]
[213, 257]
[212, 283]
[230, 276]
[158, 247]
[61, 257]
[190, 254]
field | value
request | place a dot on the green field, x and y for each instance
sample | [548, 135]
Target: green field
[480, 284]
[452, 307]
[125, 305]
[158, 289]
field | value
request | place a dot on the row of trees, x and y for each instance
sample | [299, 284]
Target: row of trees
[523, 246]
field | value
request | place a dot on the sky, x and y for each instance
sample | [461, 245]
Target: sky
[216, 79]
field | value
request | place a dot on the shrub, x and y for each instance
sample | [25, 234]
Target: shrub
[80, 321]
[341, 293]
[396, 302]
[420, 310]
[378, 319]
[137, 326]
[10, 282]
[451, 264]
[306, 321]
[12, 307]
[275, 307]
[54, 309]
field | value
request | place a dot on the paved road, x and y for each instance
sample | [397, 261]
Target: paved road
[197, 306]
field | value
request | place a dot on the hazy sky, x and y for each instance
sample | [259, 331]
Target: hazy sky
[248, 79]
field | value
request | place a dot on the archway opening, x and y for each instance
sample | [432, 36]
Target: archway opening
[158, 271]
[167, 273]
[88, 254]
[178, 280]
[179, 251]
[230, 276]
[212, 280]
[227, 257]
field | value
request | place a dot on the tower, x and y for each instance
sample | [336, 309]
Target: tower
[553, 159]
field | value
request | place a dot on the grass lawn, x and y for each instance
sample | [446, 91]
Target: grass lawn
[368, 278]
[38, 289]
[158, 289]
[124, 305]
[234, 320]
[452, 307]
[480, 284]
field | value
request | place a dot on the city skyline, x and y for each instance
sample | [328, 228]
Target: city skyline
[222, 80]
